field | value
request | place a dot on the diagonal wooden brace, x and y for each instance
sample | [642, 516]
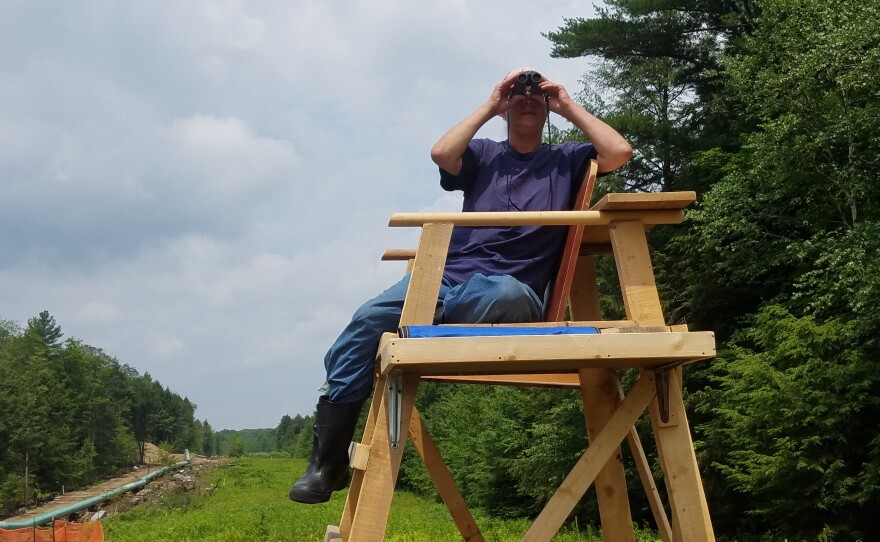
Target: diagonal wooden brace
[584, 473]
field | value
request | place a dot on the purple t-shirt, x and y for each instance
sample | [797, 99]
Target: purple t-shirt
[496, 177]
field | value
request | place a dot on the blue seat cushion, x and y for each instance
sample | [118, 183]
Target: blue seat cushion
[427, 332]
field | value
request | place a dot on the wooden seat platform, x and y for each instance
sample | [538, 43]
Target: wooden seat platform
[547, 353]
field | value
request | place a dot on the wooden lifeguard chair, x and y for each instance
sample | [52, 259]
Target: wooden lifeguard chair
[585, 360]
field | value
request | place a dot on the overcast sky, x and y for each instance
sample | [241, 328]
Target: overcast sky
[202, 189]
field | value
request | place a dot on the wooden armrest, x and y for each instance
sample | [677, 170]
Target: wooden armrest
[639, 201]
[398, 254]
[647, 207]
[538, 218]
[597, 240]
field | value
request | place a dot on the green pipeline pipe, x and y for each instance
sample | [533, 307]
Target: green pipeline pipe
[91, 501]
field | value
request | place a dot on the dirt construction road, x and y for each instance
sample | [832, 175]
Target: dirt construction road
[61, 501]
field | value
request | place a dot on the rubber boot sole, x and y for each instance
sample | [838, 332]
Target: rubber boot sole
[307, 496]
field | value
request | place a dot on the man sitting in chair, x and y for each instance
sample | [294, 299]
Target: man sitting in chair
[492, 274]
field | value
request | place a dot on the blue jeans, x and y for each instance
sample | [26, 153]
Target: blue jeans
[480, 299]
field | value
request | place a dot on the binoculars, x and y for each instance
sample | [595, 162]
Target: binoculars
[527, 83]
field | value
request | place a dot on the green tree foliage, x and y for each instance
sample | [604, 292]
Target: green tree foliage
[792, 430]
[646, 101]
[8, 329]
[804, 173]
[209, 439]
[236, 445]
[302, 445]
[657, 28]
[287, 434]
[70, 414]
[253, 441]
[284, 434]
[45, 327]
[676, 48]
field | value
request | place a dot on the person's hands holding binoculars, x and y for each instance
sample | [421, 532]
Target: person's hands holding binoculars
[526, 84]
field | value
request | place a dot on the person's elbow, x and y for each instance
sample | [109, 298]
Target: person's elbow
[447, 160]
[614, 158]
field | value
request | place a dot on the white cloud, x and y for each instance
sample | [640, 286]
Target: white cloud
[97, 313]
[225, 155]
[163, 348]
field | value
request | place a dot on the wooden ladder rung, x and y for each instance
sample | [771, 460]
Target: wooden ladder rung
[358, 455]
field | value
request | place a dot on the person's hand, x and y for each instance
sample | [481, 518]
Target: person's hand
[558, 99]
[500, 101]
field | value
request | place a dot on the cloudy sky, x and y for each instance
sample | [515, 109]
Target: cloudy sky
[202, 189]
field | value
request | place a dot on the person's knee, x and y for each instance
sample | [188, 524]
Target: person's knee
[506, 291]
[497, 298]
[514, 302]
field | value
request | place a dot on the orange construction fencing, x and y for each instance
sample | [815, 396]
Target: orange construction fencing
[61, 531]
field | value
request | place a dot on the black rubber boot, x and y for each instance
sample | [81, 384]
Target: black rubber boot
[328, 467]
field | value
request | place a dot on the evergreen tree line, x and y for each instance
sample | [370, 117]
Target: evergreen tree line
[292, 437]
[288, 439]
[71, 415]
[770, 110]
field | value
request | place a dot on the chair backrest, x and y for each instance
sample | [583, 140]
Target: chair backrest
[555, 310]
[557, 300]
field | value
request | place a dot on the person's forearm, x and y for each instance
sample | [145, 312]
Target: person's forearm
[448, 150]
[611, 148]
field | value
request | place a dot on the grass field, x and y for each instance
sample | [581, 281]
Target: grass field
[249, 504]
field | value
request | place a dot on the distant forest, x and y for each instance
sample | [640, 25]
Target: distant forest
[71, 415]
[293, 437]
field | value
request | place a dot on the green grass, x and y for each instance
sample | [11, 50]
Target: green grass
[249, 504]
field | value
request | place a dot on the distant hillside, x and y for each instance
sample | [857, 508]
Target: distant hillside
[254, 440]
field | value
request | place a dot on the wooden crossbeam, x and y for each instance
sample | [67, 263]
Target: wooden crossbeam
[520, 354]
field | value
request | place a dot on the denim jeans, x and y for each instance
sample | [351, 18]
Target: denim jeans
[480, 299]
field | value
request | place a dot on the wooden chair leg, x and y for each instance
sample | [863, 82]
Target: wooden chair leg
[443, 481]
[690, 512]
[642, 304]
[599, 392]
[357, 478]
[377, 488]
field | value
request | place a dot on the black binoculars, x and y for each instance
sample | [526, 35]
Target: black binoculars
[527, 83]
